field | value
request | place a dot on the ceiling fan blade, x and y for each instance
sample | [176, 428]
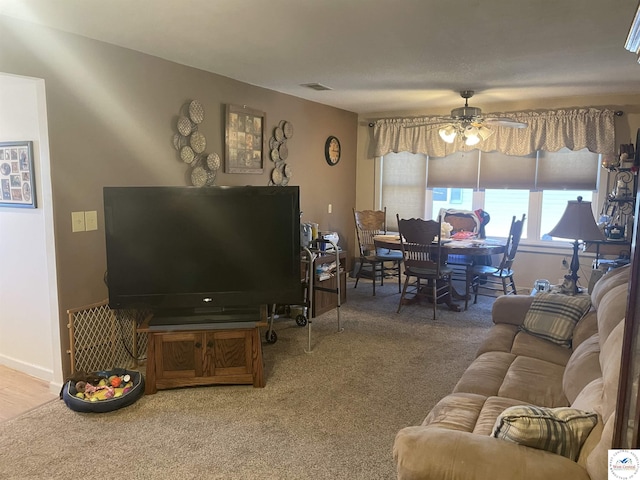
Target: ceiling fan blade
[504, 122]
[436, 123]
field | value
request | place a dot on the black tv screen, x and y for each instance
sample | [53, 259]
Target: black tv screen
[195, 250]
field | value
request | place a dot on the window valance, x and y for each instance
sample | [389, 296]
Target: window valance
[550, 130]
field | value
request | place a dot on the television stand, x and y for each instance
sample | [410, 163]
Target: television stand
[204, 354]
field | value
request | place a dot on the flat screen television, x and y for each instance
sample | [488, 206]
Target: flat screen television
[202, 254]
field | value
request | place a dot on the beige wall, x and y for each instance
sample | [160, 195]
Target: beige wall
[112, 114]
[532, 261]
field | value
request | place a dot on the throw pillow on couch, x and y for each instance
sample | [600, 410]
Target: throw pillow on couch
[560, 430]
[553, 316]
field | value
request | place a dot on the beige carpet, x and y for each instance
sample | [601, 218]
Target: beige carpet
[331, 414]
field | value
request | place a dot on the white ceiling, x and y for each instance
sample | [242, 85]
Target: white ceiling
[376, 55]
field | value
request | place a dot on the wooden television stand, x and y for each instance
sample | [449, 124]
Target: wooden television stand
[204, 354]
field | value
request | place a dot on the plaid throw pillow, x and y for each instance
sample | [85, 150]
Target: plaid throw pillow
[559, 430]
[553, 316]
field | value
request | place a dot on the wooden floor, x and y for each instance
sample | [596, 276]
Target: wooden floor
[20, 393]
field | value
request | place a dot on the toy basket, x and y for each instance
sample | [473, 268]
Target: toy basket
[136, 390]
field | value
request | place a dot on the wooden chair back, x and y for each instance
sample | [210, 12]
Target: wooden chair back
[421, 246]
[369, 223]
[462, 222]
[513, 241]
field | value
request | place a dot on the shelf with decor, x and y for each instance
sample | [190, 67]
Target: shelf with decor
[617, 215]
[618, 210]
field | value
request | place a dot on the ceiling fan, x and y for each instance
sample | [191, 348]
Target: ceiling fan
[470, 123]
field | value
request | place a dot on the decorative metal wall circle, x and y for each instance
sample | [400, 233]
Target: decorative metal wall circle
[287, 129]
[196, 112]
[184, 126]
[199, 177]
[198, 142]
[281, 173]
[213, 161]
[191, 145]
[186, 154]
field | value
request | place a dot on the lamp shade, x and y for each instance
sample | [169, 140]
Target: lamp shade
[577, 222]
[448, 133]
[484, 132]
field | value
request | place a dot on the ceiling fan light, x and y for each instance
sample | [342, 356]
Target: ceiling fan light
[471, 140]
[448, 133]
[470, 131]
[484, 132]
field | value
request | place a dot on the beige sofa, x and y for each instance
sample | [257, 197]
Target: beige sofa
[515, 368]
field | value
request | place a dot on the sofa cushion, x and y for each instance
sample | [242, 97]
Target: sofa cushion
[534, 381]
[597, 460]
[559, 430]
[456, 411]
[582, 368]
[491, 410]
[611, 311]
[587, 326]
[485, 374]
[590, 399]
[610, 359]
[499, 339]
[526, 345]
[510, 309]
[553, 316]
[609, 280]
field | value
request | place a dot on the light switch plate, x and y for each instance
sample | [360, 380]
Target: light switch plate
[77, 222]
[91, 220]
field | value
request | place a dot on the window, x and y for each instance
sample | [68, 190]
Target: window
[502, 205]
[538, 185]
[457, 198]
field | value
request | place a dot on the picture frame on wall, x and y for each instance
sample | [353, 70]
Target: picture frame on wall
[244, 140]
[17, 179]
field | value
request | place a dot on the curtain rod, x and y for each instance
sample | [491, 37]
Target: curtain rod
[617, 113]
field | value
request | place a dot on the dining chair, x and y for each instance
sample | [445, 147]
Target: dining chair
[422, 258]
[487, 279]
[462, 221]
[379, 262]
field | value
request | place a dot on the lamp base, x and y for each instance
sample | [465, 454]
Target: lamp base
[569, 286]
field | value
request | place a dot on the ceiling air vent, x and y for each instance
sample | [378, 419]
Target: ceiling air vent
[316, 86]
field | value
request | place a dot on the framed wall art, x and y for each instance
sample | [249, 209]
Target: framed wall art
[244, 140]
[17, 180]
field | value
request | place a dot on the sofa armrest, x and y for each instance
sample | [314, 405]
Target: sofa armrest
[511, 309]
[429, 453]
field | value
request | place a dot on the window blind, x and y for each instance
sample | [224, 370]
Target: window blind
[568, 170]
[403, 186]
[459, 170]
[498, 170]
[561, 170]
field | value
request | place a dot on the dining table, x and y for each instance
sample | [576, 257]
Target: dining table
[479, 248]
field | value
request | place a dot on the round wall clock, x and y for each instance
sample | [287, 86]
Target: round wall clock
[332, 150]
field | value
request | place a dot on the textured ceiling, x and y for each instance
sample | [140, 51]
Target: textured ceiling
[376, 55]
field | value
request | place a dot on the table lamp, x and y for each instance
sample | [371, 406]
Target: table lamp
[577, 222]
